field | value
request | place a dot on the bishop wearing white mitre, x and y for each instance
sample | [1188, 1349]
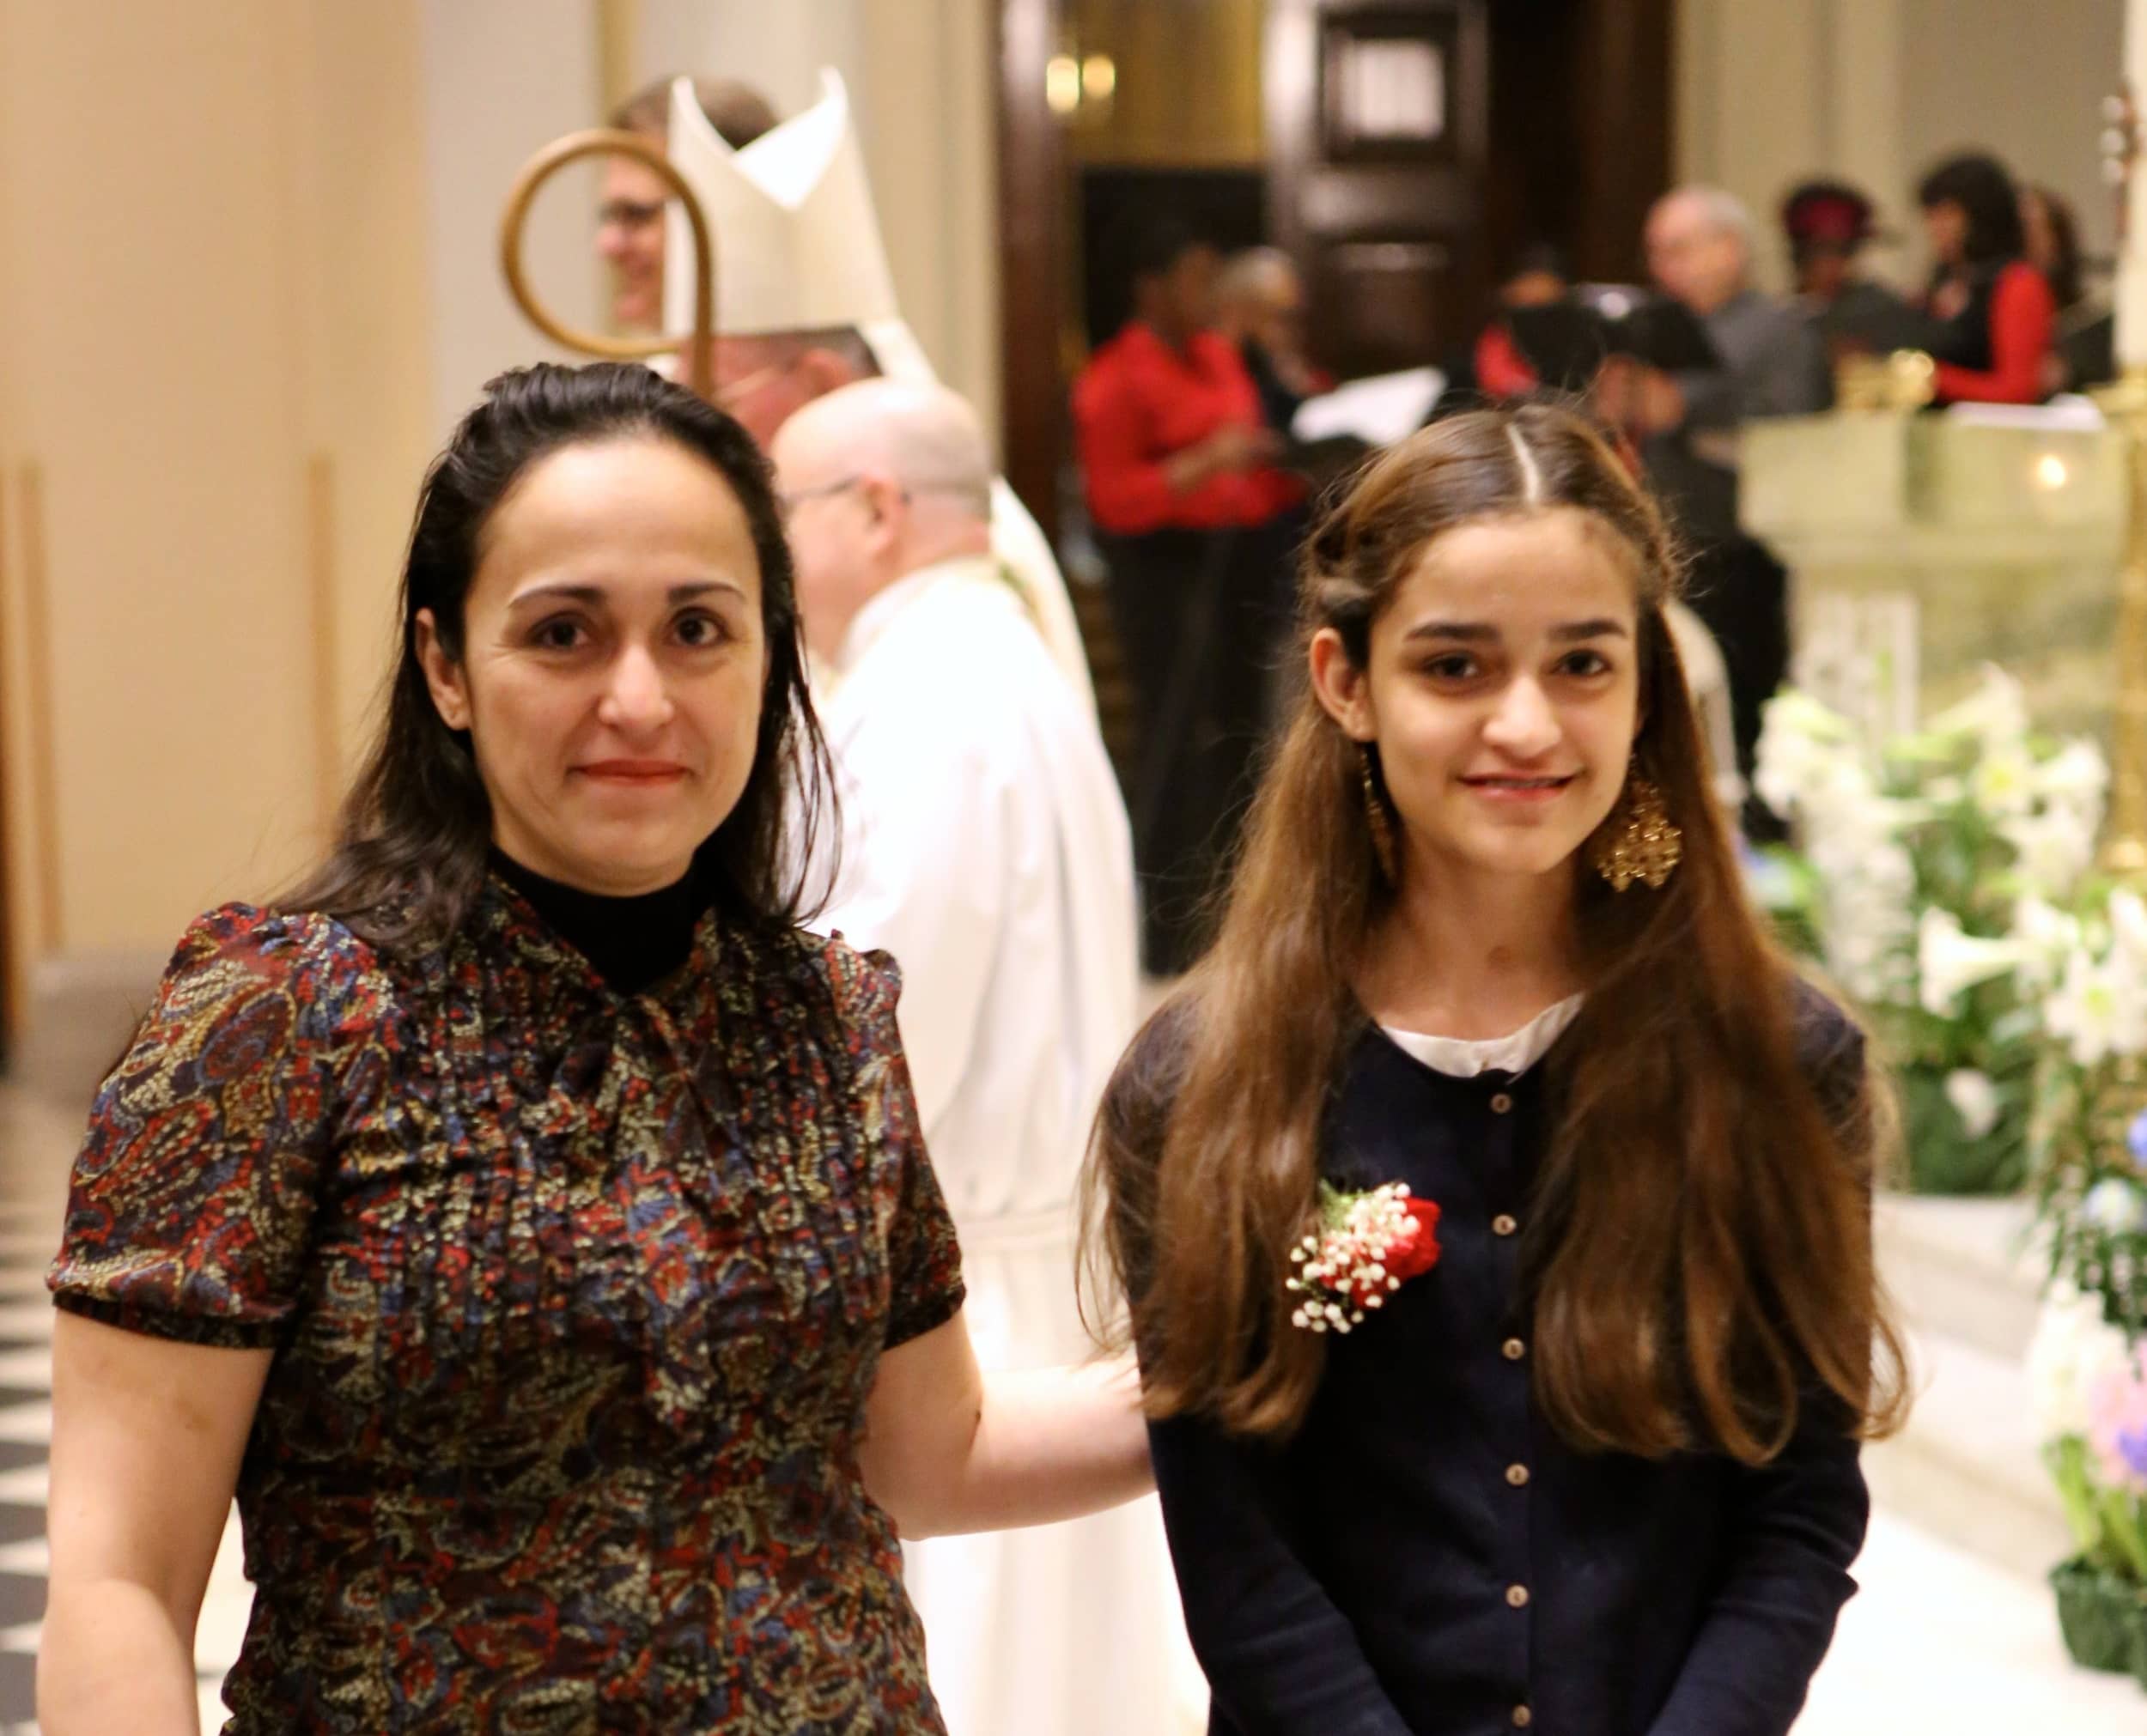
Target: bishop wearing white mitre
[798, 249]
[1007, 895]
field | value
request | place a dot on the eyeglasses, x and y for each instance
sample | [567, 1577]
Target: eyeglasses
[977, 497]
[630, 213]
[790, 500]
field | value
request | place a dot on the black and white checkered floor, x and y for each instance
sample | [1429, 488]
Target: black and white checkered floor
[27, 1237]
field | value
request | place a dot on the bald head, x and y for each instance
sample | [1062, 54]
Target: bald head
[1699, 246]
[879, 479]
[924, 437]
[1259, 295]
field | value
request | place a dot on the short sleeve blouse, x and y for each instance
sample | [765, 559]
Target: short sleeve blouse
[576, 1299]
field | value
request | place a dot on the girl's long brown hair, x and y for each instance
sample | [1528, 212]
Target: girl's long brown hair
[1699, 1253]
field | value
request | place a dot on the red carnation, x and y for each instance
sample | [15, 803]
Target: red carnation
[1420, 1255]
[1368, 1245]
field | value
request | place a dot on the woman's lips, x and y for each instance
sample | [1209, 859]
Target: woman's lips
[634, 774]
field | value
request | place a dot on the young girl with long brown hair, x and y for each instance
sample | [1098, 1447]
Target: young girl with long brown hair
[1492, 1201]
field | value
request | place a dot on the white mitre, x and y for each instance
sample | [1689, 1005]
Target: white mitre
[798, 249]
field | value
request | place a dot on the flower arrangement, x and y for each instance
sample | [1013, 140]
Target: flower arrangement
[2085, 969]
[1915, 853]
[1368, 1245]
[2089, 1384]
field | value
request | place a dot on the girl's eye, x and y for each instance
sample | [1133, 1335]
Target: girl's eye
[700, 630]
[1454, 666]
[1585, 663]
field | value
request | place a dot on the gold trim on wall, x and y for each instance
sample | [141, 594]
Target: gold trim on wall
[37, 644]
[320, 568]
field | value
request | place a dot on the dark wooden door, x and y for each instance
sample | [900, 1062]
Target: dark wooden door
[1379, 126]
[1413, 146]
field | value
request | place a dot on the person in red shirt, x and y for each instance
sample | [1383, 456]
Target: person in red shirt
[1996, 316]
[1198, 526]
[1168, 420]
[1539, 279]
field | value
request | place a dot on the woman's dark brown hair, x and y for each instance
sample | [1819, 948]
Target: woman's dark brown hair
[1699, 1258]
[2066, 268]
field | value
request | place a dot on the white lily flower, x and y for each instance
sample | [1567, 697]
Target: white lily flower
[2128, 930]
[2115, 1207]
[2003, 783]
[1949, 962]
[2077, 773]
[2073, 1348]
[2099, 1009]
[1974, 1100]
[2048, 937]
[2055, 846]
[1801, 744]
[1792, 712]
[1996, 714]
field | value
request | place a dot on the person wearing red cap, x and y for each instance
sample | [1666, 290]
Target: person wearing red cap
[1828, 224]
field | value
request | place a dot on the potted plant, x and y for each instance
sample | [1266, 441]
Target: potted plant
[2117, 1434]
[2079, 1365]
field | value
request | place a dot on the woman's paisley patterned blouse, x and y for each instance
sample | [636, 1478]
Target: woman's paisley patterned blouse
[575, 1299]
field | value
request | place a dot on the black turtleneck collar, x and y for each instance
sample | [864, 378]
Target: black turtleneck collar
[631, 942]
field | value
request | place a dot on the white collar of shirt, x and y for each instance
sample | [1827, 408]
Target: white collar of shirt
[1515, 1053]
[874, 620]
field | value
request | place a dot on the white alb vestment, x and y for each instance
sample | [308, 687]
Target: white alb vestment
[798, 248]
[985, 844]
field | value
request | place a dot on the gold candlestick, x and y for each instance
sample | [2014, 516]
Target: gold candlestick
[2125, 851]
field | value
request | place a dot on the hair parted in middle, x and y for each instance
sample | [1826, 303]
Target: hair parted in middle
[1698, 1256]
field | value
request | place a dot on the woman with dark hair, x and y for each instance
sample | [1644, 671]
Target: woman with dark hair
[1994, 310]
[1491, 1201]
[525, 1215]
[2050, 241]
[2083, 353]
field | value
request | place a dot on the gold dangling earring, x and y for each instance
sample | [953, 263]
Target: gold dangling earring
[1638, 840]
[1376, 817]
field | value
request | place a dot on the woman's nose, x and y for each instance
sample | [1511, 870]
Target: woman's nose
[637, 696]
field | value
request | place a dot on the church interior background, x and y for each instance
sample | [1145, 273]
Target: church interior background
[248, 279]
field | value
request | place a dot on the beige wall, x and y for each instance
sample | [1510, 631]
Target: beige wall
[1770, 91]
[247, 279]
[927, 114]
[502, 79]
[2031, 80]
[210, 289]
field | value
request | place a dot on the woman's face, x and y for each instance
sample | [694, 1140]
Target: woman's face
[1946, 227]
[613, 663]
[1503, 694]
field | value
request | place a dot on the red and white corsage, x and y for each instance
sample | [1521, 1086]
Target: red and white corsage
[1368, 1245]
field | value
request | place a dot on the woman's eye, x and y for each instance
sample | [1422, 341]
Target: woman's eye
[1585, 663]
[700, 630]
[561, 633]
[1454, 666]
